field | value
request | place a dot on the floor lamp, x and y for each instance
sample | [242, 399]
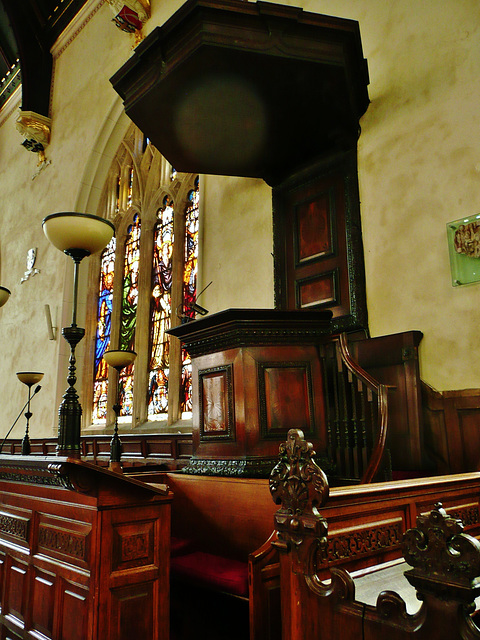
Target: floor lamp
[29, 378]
[78, 235]
[117, 359]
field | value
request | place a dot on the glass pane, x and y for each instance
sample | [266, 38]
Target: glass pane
[189, 290]
[464, 249]
[129, 311]
[160, 311]
[104, 324]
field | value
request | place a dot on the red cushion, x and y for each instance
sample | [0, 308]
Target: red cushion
[180, 546]
[213, 571]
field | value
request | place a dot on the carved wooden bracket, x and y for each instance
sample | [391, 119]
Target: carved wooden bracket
[299, 485]
[445, 561]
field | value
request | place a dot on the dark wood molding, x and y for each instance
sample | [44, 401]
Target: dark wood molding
[167, 450]
[236, 328]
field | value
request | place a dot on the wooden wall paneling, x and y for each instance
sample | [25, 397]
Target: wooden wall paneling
[171, 450]
[435, 432]
[462, 419]
[15, 605]
[43, 595]
[3, 559]
[75, 620]
[452, 431]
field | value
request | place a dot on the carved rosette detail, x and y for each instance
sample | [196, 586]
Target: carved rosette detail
[299, 485]
[444, 559]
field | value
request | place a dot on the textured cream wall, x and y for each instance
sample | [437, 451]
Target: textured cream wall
[419, 167]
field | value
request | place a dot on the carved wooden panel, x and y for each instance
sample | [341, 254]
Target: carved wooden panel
[126, 624]
[467, 511]
[313, 227]
[362, 541]
[317, 290]
[15, 524]
[133, 545]
[318, 248]
[216, 403]
[16, 591]
[3, 560]
[64, 548]
[42, 602]
[286, 397]
[74, 612]
[66, 540]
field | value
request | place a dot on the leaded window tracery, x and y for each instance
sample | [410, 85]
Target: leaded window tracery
[144, 284]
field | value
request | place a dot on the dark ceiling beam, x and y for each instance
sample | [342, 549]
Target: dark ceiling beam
[34, 54]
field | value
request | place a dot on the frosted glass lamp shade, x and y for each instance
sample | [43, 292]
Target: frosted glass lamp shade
[4, 295]
[73, 231]
[29, 377]
[119, 359]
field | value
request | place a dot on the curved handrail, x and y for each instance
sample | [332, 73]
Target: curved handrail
[381, 391]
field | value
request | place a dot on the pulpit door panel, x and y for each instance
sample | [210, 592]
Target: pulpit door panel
[317, 245]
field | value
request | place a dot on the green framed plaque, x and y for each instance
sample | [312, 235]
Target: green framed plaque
[464, 249]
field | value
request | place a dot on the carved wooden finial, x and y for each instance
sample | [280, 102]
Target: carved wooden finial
[299, 485]
[445, 560]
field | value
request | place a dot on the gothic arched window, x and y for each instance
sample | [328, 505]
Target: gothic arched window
[144, 282]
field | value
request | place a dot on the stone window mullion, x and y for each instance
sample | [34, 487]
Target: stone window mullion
[142, 334]
[174, 412]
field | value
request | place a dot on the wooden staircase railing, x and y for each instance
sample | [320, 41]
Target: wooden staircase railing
[356, 407]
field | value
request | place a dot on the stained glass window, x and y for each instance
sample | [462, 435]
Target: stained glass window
[154, 286]
[189, 289]
[117, 194]
[160, 311]
[130, 188]
[104, 324]
[129, 311]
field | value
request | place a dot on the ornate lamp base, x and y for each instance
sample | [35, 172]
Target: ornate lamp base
[70, 410]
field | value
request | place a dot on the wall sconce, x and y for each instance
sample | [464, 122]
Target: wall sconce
[4, 295]
[78, 235]
[52, 331]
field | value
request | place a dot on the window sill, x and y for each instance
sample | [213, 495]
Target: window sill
[149, 427]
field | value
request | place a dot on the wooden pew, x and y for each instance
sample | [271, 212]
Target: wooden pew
[445, 565]
[216, 524]
[229, 518]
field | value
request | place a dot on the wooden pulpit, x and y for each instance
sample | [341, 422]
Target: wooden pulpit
[256, 374]
[84, 552]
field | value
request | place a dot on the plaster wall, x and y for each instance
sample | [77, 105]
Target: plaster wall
[419, 168]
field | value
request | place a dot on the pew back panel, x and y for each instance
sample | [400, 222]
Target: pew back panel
[445, 560]
[227, 516]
